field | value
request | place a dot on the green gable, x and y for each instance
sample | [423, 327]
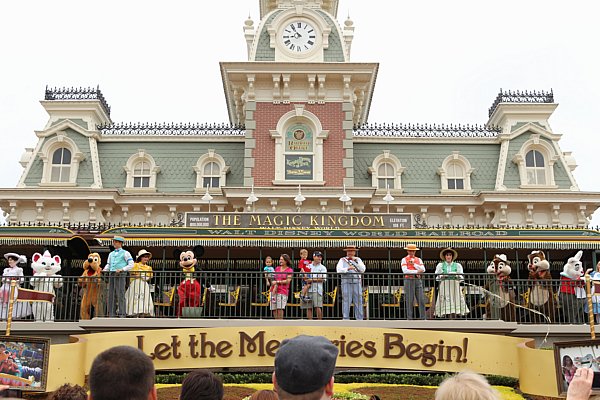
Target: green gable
[264, 52]
[335, 51]
[176, 162]
[420, 175]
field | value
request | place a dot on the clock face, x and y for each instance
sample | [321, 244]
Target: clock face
[299, 37]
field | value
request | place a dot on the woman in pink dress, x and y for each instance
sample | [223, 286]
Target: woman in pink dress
[281, 285]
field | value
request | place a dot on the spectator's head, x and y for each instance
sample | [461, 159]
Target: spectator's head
[269, 261]
[466, 386]
[567, 361]
[285, 261]
[69, 392]
[303, 253]
[264, 395]
[317, 257]
[122, 372]
[201, 385]
[304, 368]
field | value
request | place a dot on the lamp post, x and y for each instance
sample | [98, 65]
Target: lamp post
[344, 199]
[252, 198]
[207, 197]
[387, 198]
[299, 198]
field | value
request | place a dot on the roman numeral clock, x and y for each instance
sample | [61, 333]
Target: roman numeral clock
[299, 36]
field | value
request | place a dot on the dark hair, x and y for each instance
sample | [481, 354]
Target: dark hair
[565, 360]
[264, 395]
[121, 372]
[202, 385]
[69, 392]
[287, 259]
[12, 258]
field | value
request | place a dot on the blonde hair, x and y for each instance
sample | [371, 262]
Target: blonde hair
[303, 251]
[466, 386]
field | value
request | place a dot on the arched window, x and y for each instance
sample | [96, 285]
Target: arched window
[535, 166]
[61, 158]
[211, 175]
[211, 171]
[386, 176]
[386, 171]
[141, 172]
[61, 165]
[455, 174]
[535, 160]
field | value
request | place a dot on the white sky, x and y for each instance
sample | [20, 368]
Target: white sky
[440, 62]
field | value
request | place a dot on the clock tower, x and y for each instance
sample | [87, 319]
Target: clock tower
[299, 97]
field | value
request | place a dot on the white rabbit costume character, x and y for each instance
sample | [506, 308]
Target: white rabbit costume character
[572, 290]
[45, 279]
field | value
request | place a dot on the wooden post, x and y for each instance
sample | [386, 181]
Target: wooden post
[588, 289]
[11, 304]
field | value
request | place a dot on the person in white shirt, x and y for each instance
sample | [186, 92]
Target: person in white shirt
[318, 274]
[412, 267]
[350, 269]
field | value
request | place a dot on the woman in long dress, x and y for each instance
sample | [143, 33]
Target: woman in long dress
[10, 273]
[138, 298]
[450, 300]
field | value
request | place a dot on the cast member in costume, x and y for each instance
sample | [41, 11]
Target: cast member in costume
[450, 300]
[45, 279]
[138, 298]
[541, 295]
[413, 268]
[572, 290]
[500, 301]
[118, 263]
[351, 269]
[13, 272]
[92, 286]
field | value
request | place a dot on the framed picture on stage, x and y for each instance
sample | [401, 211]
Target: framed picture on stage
[24, 362]
[569, 356]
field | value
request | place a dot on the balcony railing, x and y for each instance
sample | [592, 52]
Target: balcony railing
[246, 295]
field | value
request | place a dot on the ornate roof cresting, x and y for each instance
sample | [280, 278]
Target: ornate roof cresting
[518, 96]
[171, 129]
[80, 93]
[427, 130]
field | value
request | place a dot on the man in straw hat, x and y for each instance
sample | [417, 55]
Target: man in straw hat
[118, 263]
[350, 269]
[413, 267]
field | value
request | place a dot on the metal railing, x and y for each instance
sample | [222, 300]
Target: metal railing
[246, 295]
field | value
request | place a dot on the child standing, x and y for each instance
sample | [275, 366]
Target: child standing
[305, 269]
[269, 270]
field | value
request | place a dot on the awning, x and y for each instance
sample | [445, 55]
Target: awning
[560, 239]
[43, 236]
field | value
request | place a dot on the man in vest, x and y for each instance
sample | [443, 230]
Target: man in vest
[413, 267]
[118, 263]
[351, 269]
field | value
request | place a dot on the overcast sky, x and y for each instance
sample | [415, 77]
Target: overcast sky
[440, 62]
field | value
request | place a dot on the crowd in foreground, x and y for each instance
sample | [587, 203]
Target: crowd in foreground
[304, 370]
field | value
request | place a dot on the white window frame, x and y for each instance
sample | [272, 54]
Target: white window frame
[456, 158]
[550, 157]
[387, 158]
[210, 156]
[140, 156]
[299, 116]
[61, 140]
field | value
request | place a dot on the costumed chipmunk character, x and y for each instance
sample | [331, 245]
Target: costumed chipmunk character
[90, 282]
[45, 279]
[500, 303]
[572, 290]
[189, 290]
[541, 295]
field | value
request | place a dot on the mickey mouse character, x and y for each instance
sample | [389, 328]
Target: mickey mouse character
[500, 303]
[541, 295]
[189, 290]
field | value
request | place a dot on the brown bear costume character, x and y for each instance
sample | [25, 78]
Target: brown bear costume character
[500, 301]
[541, 295]
[91, 281]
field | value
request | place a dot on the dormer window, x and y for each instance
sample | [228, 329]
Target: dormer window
[61, 158]
[534, 165]
[61, 165]
[211, 175]
[141, 172]
[535, 160]
[211, 171]
[386, 172]
[455, 174]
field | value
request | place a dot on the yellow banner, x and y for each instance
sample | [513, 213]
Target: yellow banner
[400, 349]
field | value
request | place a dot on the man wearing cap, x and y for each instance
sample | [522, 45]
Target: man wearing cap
[318, 274]
[412, 267]
[304, 368]
[350, 269]
[118, 263]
